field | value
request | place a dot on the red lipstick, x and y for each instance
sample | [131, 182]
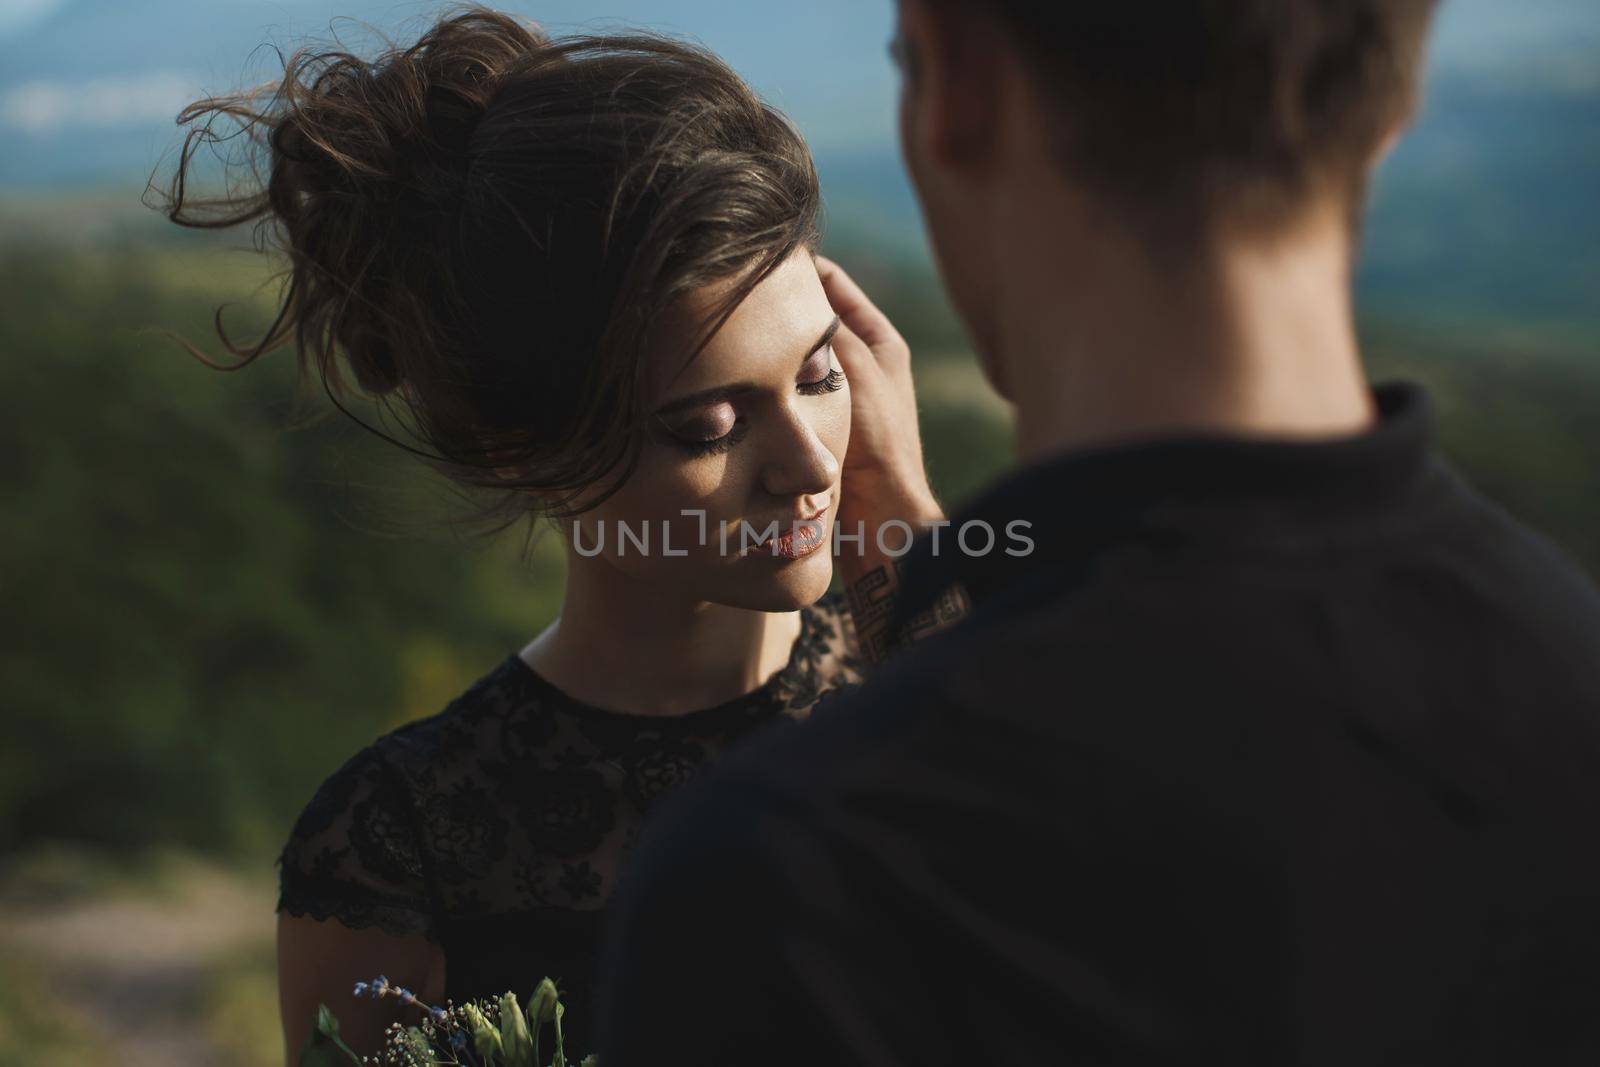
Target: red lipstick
[804, 537]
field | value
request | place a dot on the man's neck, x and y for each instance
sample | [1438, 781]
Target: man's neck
[1101, 344]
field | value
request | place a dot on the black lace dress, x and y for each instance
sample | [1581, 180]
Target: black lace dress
[496, 828]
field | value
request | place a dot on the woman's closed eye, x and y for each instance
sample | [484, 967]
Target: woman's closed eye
[715, 430]
[819, 374]
[707, 432]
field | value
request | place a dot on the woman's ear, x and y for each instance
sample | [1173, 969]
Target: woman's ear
[501, 461]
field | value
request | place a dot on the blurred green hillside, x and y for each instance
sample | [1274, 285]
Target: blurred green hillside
[207, 610]
[1489, 210]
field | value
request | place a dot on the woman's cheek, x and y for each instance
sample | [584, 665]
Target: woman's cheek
[709, 489]
[835, 431]
[845, 408]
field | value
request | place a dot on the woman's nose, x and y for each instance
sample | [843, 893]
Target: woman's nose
[798, 461]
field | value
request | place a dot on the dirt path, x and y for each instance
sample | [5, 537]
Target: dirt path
[132, 965]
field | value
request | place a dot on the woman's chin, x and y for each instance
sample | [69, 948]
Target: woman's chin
[781, 585]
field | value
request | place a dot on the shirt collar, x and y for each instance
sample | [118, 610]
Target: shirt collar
[1082, 500]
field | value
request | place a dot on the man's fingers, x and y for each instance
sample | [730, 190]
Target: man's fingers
[855, 358]
[852, 305]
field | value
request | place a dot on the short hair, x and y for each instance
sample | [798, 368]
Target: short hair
[1221, 110]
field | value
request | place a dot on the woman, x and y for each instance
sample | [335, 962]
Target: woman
[585, 268]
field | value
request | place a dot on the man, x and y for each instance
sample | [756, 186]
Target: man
[1281, 745]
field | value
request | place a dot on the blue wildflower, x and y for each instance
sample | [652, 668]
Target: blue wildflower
[361, 989]
[380, 985]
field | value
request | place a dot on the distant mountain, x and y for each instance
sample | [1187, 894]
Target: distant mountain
[1490, 208]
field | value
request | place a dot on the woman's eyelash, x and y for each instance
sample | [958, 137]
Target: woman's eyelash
[717, 445]
[831, 383]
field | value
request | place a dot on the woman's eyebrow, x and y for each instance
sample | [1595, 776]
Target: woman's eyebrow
[726, 392]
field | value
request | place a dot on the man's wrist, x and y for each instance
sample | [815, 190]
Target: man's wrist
[869, 567]
[865, 544]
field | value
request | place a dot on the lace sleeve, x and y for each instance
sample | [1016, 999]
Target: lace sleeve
[353, 854]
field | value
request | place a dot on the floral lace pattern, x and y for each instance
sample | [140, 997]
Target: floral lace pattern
[517, 797]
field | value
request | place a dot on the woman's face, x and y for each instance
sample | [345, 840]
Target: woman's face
[745, 440]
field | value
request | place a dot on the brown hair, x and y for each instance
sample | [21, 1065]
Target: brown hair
[1222, 110]
[491, 226]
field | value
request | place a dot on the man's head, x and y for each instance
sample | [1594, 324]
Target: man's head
[1183, 123]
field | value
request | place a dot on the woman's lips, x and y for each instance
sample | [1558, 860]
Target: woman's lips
[805, 536]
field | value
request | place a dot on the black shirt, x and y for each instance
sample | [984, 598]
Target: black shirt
[496, 827]
[1269, 753]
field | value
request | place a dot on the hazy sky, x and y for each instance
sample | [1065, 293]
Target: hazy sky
[70, 65]
[101, 62]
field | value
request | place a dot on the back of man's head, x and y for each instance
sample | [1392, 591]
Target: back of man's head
[1213, 108]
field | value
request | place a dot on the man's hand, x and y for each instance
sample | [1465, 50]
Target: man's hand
[883, 475]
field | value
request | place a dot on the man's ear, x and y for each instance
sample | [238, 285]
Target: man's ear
[953, 56]
[1397, 130]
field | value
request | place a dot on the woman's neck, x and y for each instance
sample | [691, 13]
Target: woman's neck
[624, 645]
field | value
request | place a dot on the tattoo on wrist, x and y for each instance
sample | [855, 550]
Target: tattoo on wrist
[872, 599]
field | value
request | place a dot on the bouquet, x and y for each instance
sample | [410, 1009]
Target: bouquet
[479, 1033]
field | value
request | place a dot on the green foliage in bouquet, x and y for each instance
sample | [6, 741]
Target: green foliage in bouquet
[479, 1033]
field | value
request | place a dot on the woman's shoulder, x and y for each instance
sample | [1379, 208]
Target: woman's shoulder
[356, 851]
[352, 854]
